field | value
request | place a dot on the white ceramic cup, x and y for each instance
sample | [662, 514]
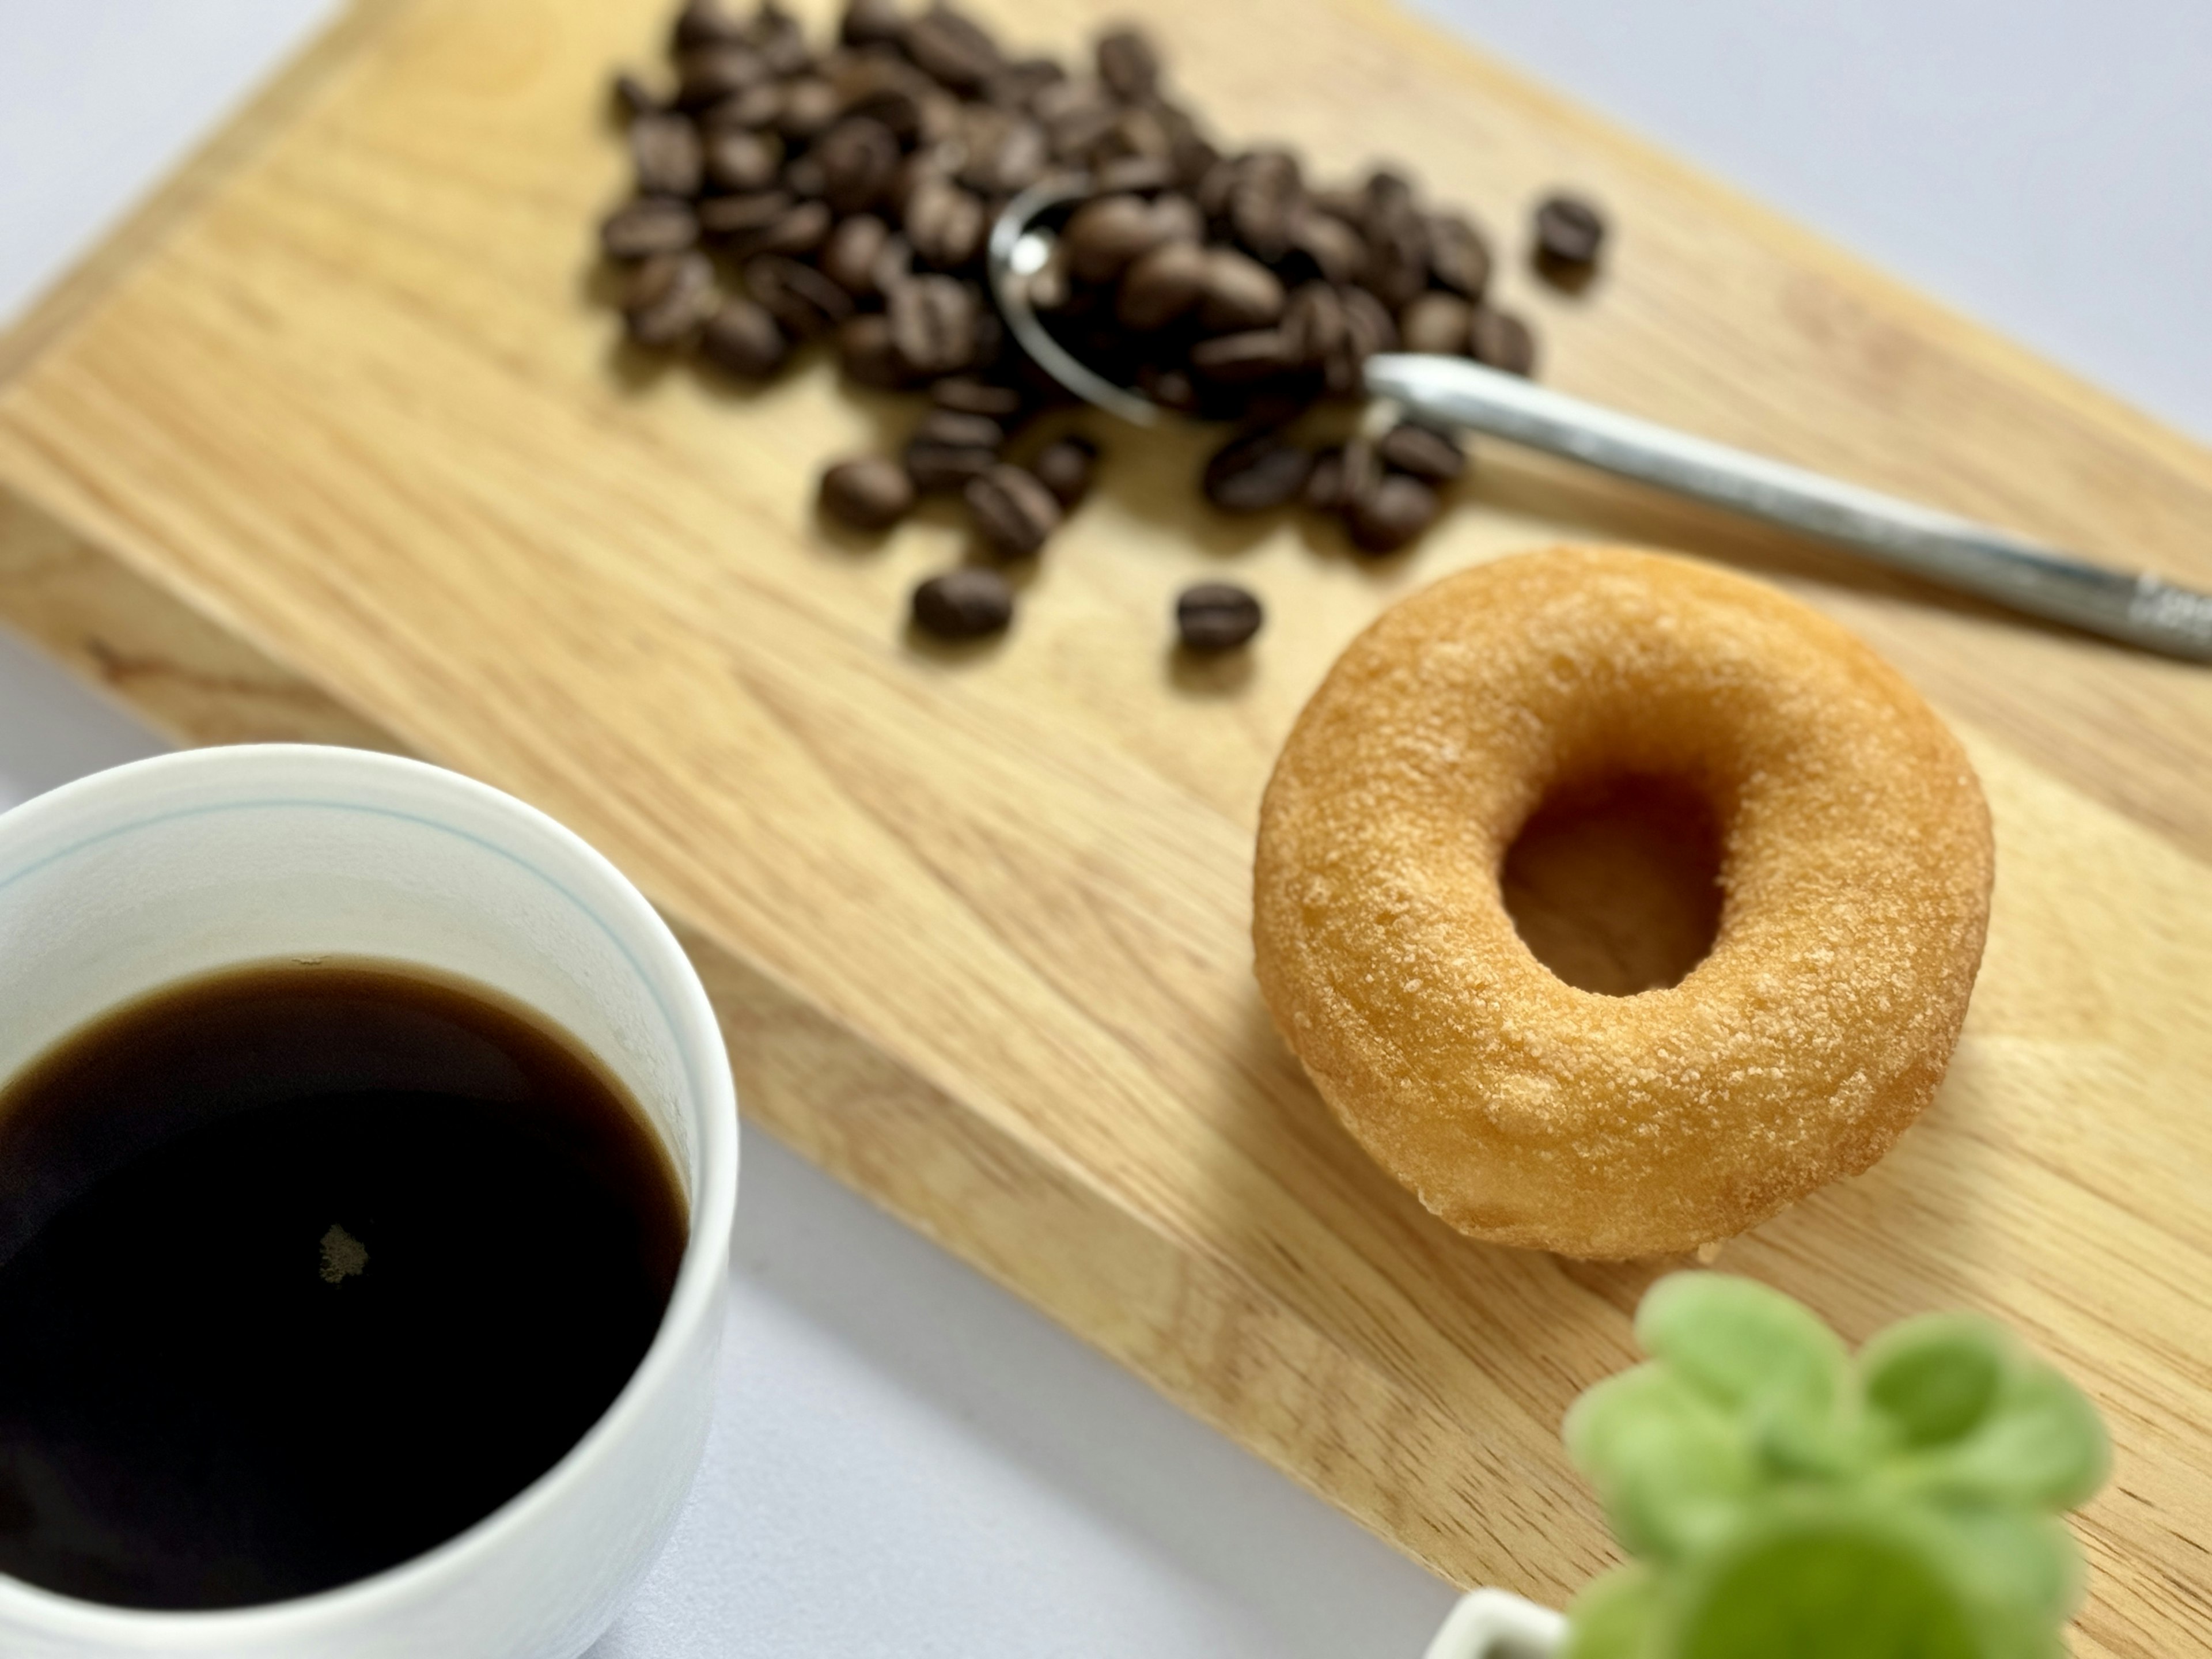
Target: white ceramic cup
[152, 873]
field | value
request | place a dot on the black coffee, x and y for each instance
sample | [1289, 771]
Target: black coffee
[303, 1270]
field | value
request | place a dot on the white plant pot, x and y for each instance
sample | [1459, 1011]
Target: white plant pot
[1496, 1624]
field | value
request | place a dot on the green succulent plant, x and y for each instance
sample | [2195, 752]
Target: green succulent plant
[1781, 1497]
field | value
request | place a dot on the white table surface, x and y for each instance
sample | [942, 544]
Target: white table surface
[907, 1460]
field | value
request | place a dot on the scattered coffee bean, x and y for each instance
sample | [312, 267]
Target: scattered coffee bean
[1256, 471]
[1065, 467]
[968, 396]
[802, 299]
[740, 162]
[1569, 230]
[665, 149]
[945, 469]
[859, 158]
[849, 256]
[735, 218]
[868, 493]
[632, 97]
[1324, 491]
[1240, 359]
[946, 224]
[960, 429]
[1240, 292]
[1459, 259]
[1162, 286]
[743, 339]
[649, 226]
[1501, 340]
[868, 355]
[1386, 518]
[668, 297]
[934, 324]
[1430, 455]
[963, 605]
[1216, 616]
[706, 23]
[1107, 234]
[807, 108]
[953, 48]
[1129, 65]
[1013, 510]
[871, 23]
[1440, 323]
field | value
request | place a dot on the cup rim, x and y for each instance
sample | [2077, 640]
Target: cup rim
[700, 1277]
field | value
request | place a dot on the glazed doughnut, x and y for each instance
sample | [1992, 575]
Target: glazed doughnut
[1855, 867]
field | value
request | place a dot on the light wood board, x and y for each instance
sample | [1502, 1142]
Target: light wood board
[337, 443]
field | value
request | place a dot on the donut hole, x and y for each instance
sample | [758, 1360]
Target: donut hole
[1614, 884]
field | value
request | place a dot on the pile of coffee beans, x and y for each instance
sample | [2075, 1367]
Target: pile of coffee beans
[786, 192]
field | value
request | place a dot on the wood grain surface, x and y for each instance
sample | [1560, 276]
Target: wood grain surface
[341, 444]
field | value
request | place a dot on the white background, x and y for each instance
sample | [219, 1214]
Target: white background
[907, 1462]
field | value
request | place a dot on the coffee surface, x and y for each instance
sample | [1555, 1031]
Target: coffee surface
[304, 1270]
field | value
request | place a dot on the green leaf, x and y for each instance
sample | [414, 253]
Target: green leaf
[2041, 1443]
[1744, 1346]
[1616, 1617]
[1670, 1466]
[1935, 1379]
[2015, 1560]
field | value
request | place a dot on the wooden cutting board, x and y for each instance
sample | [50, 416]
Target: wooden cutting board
[336, 441]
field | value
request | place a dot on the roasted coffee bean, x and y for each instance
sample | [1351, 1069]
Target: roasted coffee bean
[1459, 259]
[651, 225]
[1129, 65]
[1386, 518]
[1569, 230]
[1256, 471]
[665, 149]
[1107, 235]
[945, 224]
[1216, 616]
[1170, 388]
[1140, 174]
[1162, 286]
[668, 297]
[934, 324]
[867, 354]
[1238, 359]
[1501, 340]
[741, 161]
[894, 266]
[1314, 325]
[1013, 511]
[1368, 323]
[871, 23]
[1016, 86]
[1177, 219]
[860, 157]
[1241, 292]
[632, 97]
[799, 297]
[809, 104]
[750, 110]
[708, 74]
[1076, 117]
[963, 605]
[802, 230]
[1432, 456]
[706, 23]
[1333, 249]
[848, 257]
[869, 493]
[963, 394]
[1065, 467]
[1002, 152]
[959, 430]
[953, 47]
[942, 469]
[782, 40]
[1324, 491]
[735, 217]
[742, 338]
[1397, 267]
[1441, 323]
[1266, 202]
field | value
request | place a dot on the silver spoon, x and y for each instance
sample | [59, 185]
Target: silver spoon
[2135, 606]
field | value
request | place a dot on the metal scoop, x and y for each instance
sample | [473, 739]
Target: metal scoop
[2134, 606]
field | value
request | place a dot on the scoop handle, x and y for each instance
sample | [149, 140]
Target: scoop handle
[2134, 606]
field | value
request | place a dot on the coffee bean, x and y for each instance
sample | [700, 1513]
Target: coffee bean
[1335, 250]
[1236, 359]
[1016, 86]
[1314, 325]
[1076, 118]
[1176, 219]
[706, 23]
[894, 265]
[1397, 267]
[1459, 259]
[1324, 491]
[871, 23]
[1368, 323]
[1014, 512]
[945, 224]
[809, 104]
[859, 158]
[708, 74]
[1241, 292]
[965, 395]
[934, 324]
[1428, 454]
[1440, 323]
[651, 225]
[802, 230]
[802, 299]
[1107, 235]
[737, 217]
[1215, 616]
[867, 354]
[782, 40]
[953, 48]
[668, 297]
[1006, 153]
[1569, 230]
[1162, 286]
[1065, 467]
[1129, 65]
[632, 97]
[743, 339]
[1170, 388]
[740, 162]
[959, 430]
[748, 110]
[938, 469]
[1389, 516]
[1266, 202]
[665, 149]
[848, 257]
[1501, 340]
[966, 603]
[869, 493]
[1256, 471]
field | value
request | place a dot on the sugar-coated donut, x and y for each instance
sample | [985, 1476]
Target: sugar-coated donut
[1856, 862]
